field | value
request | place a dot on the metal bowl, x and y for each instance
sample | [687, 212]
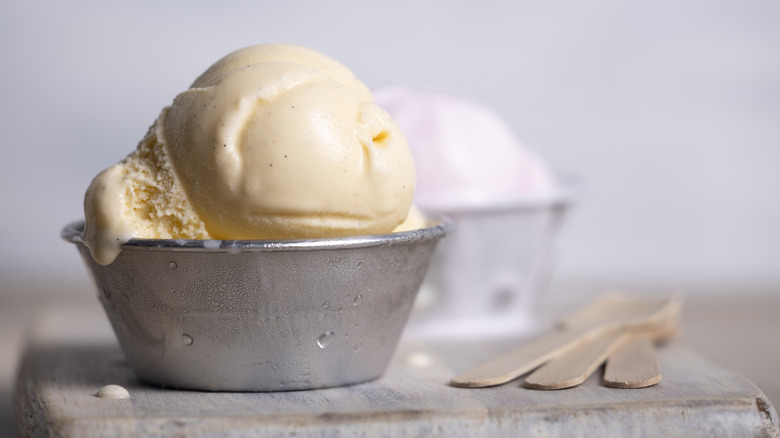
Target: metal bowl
[488, 277]
[261, 315]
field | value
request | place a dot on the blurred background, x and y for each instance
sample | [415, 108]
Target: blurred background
[669, 111]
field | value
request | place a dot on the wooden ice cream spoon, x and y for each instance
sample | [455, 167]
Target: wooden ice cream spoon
[635, 370]
[608, 316]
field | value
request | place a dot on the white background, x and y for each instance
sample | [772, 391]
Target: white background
[668, 110]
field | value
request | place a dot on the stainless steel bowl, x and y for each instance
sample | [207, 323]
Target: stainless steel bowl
[488, 277]
[261, 315]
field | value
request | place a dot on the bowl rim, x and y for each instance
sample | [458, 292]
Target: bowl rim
[438, 228]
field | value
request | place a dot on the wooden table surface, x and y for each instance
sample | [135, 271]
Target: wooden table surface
[69, 357]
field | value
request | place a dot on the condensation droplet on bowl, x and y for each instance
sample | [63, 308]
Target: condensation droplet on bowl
[187, 339]
[325, 339]
[173, 265]
[325, 305]
[115, 392]
[356, 301]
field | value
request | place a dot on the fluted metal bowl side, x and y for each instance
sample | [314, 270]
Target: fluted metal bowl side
[258, 315]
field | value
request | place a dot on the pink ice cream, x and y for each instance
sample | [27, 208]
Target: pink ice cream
[466, 156]
[507, 207]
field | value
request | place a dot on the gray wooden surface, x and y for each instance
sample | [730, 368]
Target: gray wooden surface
[58, 377]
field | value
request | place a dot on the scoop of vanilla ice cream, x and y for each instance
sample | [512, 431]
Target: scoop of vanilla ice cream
[271, 142]
[467, 157]
[283, 53]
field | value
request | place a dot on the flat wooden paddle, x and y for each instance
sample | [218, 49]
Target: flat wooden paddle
[634, 365]
[605, 316]
[575, 367]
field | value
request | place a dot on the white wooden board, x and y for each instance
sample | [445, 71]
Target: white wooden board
[57, 381]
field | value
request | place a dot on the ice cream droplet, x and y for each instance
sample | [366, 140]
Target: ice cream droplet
[325, 305]
[418, 360]
[187, 339]
[356, 301]
[112, 392]
[325, 339]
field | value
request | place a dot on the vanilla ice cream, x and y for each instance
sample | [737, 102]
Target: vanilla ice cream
[271, 142]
